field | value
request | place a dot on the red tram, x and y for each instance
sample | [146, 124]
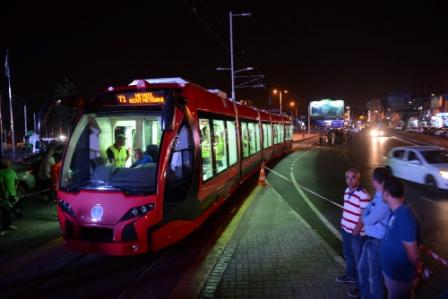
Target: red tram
[198, 145]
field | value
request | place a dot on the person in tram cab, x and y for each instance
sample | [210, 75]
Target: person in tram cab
[117, 153]
[205, 146]
[219, 150]
[141, 158]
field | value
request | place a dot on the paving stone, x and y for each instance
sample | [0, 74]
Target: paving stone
[274, 255]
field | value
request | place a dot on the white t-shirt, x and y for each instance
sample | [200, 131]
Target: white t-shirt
[45, 168]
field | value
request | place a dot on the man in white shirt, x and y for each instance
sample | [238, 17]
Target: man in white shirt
[356, 199]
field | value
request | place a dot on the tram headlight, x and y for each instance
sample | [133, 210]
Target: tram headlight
[138, 211]
[66, 207]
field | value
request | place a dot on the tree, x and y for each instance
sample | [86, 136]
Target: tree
[66, 89]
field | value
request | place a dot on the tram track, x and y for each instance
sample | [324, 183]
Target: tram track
[32, 287]
[126, 293]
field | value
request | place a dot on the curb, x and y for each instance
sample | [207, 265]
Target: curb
[294, 141]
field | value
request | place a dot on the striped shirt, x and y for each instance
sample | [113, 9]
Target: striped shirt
[354, 202]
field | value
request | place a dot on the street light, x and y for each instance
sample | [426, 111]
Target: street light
[292, 104]
[280, 92]
[232, 72]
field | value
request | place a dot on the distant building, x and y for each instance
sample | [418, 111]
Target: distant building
[375, 110]
[413, 110]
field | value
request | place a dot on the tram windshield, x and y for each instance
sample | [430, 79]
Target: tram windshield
[114, 151]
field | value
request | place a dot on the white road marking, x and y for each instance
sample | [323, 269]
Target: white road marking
[310, 203]
[407, 141]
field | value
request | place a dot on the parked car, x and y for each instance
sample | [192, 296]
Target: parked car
[417, 130]
[426, 165]
[440, 132]
[429, 130]
[27, 180]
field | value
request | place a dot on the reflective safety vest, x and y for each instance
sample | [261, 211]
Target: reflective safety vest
[205, 148]
[120, 156]
[220, 150]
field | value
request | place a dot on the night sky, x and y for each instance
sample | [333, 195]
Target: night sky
[318, 49]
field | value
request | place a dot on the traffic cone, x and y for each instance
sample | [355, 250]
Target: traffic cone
[262, 177]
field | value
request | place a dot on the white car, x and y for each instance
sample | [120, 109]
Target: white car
[415, 130]
[439, 132]
[426, 165]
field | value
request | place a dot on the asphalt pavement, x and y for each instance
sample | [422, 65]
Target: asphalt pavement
[319, 179]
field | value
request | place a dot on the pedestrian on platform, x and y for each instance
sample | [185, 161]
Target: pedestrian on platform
[44, 174]
[356, 199]
[399, 253]
[8, 186]
[55, 177]
[374, 218]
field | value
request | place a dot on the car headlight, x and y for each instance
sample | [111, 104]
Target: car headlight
[66, 207]
[444, 174]
[374, 132]
[138, 211]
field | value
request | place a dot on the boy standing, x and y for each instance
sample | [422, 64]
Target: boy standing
[8, 184]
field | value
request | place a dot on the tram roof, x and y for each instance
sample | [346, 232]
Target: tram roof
[172, 80]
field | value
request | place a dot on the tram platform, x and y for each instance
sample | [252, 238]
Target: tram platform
[267, 251]
[37, 226]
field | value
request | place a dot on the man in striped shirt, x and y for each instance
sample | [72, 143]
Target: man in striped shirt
[356, 199]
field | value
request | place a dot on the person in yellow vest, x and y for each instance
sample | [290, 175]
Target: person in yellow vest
[117, 153]
[220, 151]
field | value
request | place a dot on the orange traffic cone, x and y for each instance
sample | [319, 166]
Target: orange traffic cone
[262, 177]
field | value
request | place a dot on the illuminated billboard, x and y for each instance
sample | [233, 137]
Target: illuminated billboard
[327, 109]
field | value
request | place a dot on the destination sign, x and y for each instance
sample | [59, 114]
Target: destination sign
[139, 98]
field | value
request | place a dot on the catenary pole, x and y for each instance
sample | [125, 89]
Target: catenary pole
[11, 112]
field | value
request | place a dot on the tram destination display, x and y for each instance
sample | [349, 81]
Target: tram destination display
[139, 98]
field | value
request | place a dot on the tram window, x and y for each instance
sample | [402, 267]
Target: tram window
[269, 126]
[219, 145]
[181, 161]
[231, 135]
[252, 139]
[265, 135]
[281, 135]
[207, 164]
[97, 155]
[245, 139]
[275, 128]
[257, 137]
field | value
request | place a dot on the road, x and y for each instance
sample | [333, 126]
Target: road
[307, 179]
[316, 175]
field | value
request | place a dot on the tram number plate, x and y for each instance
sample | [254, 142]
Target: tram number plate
[139, 98]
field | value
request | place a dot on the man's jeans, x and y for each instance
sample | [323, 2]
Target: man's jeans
[398, 289]
[371, 280]
[352, 248]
